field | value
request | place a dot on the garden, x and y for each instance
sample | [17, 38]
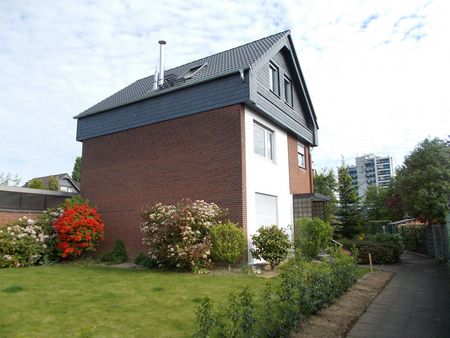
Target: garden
[53, 286]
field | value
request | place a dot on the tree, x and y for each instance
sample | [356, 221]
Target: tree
[349, 213]
[7, 179]
[35, 183]
[76, 172]
[383, 203]
[424, 180]
[325, 184]
[53, 183]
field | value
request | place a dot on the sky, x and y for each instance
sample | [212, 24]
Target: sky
[378, 72]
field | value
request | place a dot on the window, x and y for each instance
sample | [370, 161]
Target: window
[274, 79]
[301, 155]
[266, 210]
[263, 141]
[288, 92]
[194, 70]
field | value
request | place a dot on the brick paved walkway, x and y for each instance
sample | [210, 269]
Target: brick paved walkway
[416, 303]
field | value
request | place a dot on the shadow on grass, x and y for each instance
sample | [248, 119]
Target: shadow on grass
[13, 289]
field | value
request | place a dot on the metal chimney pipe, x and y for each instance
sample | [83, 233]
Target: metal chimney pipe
[161, 62]
[155, 80]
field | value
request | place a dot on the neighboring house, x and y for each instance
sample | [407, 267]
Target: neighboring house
[235, 128]
[371, 170]
[66, 183]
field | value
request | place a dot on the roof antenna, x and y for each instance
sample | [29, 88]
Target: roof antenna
[161, 62]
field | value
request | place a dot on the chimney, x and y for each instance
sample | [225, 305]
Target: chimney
[155, 80]
[161, 62]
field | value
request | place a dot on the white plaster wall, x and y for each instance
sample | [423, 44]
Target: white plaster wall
[266, 176]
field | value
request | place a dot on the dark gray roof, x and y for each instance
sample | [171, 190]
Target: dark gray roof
[217, 65]
[45, 179]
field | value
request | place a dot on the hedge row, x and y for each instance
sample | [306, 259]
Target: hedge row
[305, 288]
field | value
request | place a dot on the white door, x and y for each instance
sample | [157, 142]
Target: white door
[266, 210]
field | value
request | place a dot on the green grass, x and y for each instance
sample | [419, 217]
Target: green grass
[360, 272]
[66, 300]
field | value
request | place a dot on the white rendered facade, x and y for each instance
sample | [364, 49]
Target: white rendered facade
[267, 180]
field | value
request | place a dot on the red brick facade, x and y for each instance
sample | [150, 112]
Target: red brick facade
[200, 156]
[9, 216]
[300, 179]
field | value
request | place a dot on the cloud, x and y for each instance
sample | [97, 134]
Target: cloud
[377, 71]
[367, 21]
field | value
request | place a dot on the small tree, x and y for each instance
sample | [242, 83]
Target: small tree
[228, 243]
[271, 244]
[35, 183]
[325, 183]
[76, 172]
[424, 180]
[312, 235]
[349, 212]
[53, 183]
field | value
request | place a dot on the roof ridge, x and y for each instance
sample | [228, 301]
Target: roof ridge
[224, 51]
[140, 88]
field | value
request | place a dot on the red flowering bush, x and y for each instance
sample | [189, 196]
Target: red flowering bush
[79, 229]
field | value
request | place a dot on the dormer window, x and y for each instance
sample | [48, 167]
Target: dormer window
[274, 82]
[288, 97]
[192, 71]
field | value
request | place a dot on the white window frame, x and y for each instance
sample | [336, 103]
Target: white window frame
[274, 69]
[269, 147]
[301, 157]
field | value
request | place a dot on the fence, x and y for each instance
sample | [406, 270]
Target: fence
[18, 199]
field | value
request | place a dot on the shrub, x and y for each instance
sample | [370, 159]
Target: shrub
[117, 256]
[388, 238]
[312, 235]
[45, 222]
[205, 319]
[145, 261]
[305, 287]
[414, 237]
[228, 243]
[53, 183]
[381, 252]
[271, 244]
[178, 236]
[79, 229]
[35, 183]
[22, 243]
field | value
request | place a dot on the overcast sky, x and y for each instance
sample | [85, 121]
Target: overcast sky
[378, 72]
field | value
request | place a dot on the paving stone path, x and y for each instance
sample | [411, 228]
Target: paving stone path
[416, 303]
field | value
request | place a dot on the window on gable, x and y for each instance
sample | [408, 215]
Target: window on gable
[288, 97]
[301, 155]
[263, 140]
[274, 81]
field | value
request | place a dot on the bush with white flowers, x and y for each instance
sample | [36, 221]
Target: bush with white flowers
[178, 236]
[22, 243]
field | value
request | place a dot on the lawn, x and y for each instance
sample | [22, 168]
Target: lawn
[68, 300]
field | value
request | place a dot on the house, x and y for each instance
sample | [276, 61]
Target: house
[235, 128]
[66, 183]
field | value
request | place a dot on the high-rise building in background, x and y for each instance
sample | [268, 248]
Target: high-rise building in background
[371, 170]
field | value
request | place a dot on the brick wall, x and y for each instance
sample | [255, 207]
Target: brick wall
[9, 216]
[197, 157]
[300, 179]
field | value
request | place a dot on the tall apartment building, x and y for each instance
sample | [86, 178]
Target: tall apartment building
[371, 170]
